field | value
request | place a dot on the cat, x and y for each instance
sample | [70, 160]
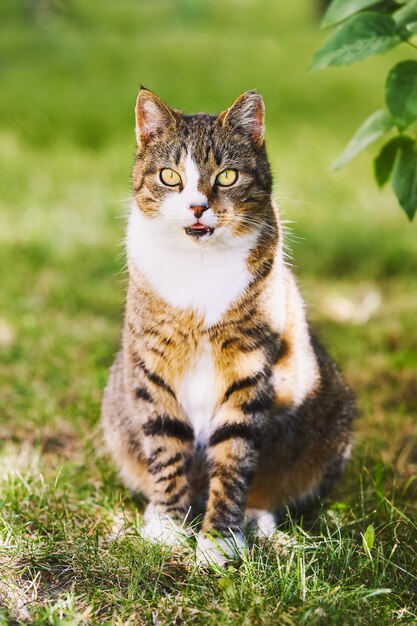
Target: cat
[219, 393]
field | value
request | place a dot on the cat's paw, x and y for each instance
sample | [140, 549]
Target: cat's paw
[220, 551]
[261, 523]
[163, 528]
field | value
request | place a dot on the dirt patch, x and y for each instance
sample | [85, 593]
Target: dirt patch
[57, 439]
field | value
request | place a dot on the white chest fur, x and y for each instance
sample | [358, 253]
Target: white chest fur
[197, 393]
[205, 276]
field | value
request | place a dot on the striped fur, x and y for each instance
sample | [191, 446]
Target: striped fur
[219, 390]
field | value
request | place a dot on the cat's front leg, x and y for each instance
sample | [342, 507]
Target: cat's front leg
[167, 443]
[232, 455]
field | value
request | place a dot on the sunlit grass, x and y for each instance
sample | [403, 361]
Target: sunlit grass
[62, 560]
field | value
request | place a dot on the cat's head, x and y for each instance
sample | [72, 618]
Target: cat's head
[202, 177]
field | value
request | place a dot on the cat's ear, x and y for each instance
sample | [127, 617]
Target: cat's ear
[153, 117]
[246, 114]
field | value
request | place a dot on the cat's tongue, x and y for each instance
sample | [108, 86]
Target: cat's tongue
[199, 230]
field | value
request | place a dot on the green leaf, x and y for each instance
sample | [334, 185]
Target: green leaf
[401, 93]
[406, 14]
[372, 128]
[384, 162]
[412, 28]
[228, 587]
[339, 506]
[404, 179]
[362, 36]
[368, 539]
[339, 10]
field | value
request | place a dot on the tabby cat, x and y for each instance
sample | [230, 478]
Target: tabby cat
[219, 394]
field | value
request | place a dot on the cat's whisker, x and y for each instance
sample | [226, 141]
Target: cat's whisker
[294, 200]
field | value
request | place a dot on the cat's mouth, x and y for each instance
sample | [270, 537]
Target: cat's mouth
[199, 230]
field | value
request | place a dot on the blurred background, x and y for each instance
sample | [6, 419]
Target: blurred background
[69, 73]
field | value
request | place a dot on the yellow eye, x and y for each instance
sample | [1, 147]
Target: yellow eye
[170, 177]
[227, 178]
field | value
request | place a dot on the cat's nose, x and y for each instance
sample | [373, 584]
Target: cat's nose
[198, 209]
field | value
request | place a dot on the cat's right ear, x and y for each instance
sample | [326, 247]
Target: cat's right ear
[153, 117]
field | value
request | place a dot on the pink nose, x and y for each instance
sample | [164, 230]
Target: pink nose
[199, 209]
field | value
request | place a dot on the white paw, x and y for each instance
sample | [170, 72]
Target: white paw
[162, 528]
[263, 522]
[263, 525]
[218, 550]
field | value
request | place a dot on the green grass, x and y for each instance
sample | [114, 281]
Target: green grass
[68, 84]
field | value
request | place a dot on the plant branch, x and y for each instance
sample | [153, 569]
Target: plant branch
[410, 44]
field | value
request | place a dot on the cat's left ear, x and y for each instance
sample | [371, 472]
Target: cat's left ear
[246, 114]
